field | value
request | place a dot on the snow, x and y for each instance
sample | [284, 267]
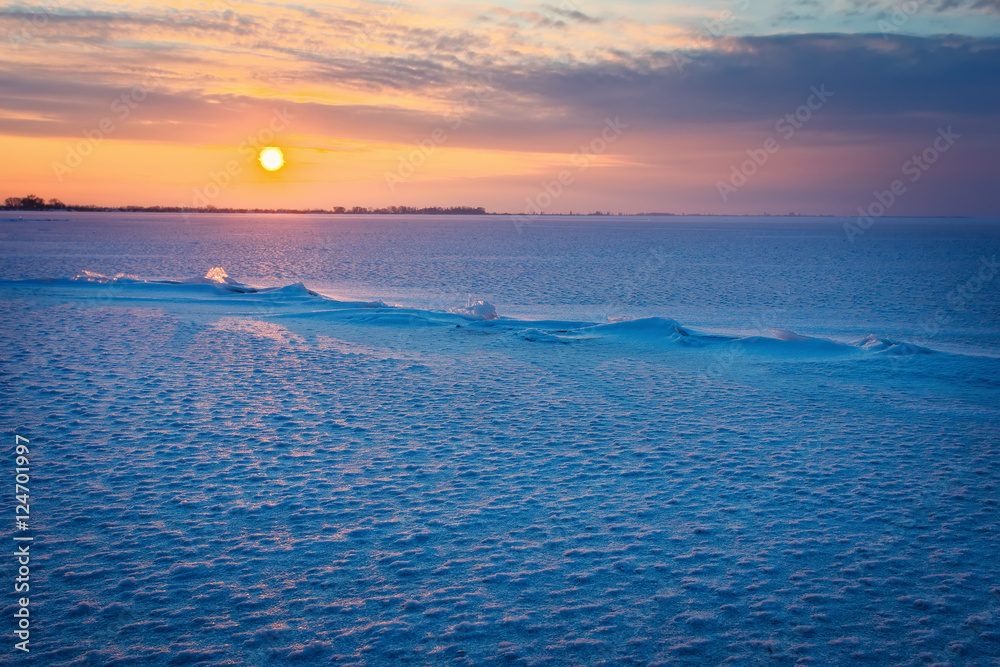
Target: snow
[233, 470]
[478, 310]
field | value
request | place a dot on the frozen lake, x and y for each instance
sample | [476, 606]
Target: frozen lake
[683, 441]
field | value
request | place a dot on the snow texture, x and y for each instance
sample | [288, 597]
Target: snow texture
[226, 472]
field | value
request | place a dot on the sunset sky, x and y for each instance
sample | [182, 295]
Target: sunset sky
[636, 106]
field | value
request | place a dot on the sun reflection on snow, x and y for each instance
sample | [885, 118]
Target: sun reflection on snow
[259, 329]
[218, 274]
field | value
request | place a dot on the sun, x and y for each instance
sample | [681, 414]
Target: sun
[272, 158]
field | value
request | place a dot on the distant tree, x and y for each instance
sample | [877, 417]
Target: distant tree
[12, 202]
[56, 204]
[33, 203]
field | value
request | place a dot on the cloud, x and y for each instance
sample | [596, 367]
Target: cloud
[989, 6]
[883, 87]
[880, 86]
[573, 14]
[883, 8]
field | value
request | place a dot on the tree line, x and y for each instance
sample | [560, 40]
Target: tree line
[35, 203]
[32, 203]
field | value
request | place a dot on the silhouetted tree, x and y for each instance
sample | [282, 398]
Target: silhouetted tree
[12, 202]
[33, 203]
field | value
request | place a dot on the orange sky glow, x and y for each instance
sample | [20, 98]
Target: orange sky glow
[479, 104]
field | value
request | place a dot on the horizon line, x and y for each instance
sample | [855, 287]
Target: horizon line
[56, 205]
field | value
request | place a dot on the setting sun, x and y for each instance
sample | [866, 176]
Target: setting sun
[272, 158]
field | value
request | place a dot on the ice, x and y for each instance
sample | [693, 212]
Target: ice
[784, 334]
[296, 301]
[649, 326]
[214, 275]
[885, 346]
[260, 469]
[95, 277]
[539, 336]
[478, 310]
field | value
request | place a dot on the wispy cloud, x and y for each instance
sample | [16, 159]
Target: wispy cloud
[734, 80]
[882, 7]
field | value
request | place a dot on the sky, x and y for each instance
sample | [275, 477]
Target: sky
[842, 107]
